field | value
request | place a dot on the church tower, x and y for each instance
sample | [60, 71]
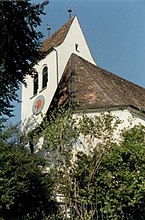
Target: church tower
[38, 94]
[95, 89]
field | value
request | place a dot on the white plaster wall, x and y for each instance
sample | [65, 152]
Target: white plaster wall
[27, 93]
[56, 61]
[74, 36]
[129, 118]
[126, 115]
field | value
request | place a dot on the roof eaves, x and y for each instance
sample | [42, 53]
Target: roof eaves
[109, 108]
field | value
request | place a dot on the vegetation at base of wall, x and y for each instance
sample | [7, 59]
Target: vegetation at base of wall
[91, 173]
[26, 188]
[64, 135]
[119, 181]
[105, 180]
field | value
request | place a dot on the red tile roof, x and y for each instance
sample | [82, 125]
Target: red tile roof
[90, 86]
[57, 38]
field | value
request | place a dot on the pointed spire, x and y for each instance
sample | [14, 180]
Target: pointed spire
[69, 12]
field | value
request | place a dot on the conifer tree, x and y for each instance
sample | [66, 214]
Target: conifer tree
[19, 47]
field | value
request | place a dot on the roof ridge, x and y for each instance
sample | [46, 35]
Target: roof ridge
[57, 37]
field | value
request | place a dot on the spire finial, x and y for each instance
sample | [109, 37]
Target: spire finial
[70, 11]
[49, 29]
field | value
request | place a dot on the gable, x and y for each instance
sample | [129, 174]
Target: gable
[57, 38]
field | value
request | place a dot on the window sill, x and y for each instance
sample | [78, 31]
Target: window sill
[42, 89]
[33, 96]
[39, 92]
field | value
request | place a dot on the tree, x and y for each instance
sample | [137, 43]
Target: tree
[104, 178]
[118, 183]
[26, 185]
[19, 47]
[65, 134]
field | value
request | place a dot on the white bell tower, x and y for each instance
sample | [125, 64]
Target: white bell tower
[38, 94]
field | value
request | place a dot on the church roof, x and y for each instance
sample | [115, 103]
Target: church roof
[91, 87]
[57, 38]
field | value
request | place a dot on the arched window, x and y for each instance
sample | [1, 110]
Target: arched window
[44, 77]
[35, 84]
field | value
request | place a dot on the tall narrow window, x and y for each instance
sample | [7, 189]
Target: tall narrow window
[35, 84]
[44, 77]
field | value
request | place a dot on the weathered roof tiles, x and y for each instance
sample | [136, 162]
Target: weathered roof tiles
[94, 87]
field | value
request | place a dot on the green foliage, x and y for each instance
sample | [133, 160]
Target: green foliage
[19, 47]
[105, 177]
[26, 186]
[119, 181]
[61, 135]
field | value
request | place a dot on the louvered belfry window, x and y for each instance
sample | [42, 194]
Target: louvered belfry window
[35, 84]
[44, 77]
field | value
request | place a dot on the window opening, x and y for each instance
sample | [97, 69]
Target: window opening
[35, 87]
[44, 77]
[77, 47]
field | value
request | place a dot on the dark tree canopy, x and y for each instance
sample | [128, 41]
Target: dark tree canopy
[19, 47]
[26, 189]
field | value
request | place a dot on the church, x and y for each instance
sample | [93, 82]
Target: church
[68, 72]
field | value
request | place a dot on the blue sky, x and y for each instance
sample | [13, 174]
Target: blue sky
[114, 30]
